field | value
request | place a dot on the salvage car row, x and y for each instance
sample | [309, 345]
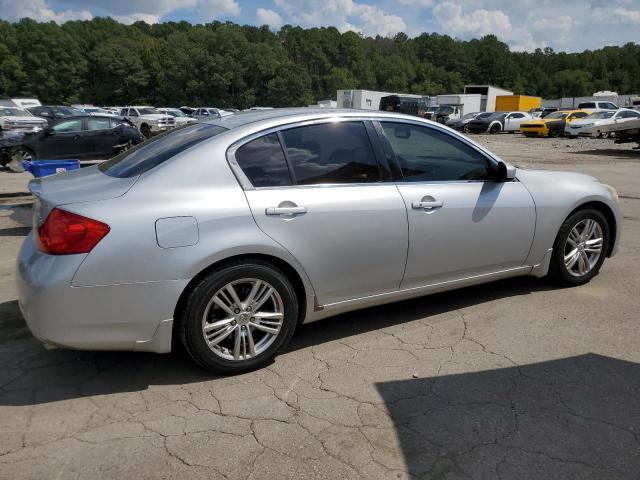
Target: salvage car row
[81, 132]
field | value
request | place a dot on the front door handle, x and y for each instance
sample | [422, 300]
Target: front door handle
[285, 210]
[430, 205]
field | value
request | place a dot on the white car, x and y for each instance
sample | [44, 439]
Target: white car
[93, 111]
[208, 113]
[149, 120]
[15, 118]
[597, 105]
[180, 117]
[594, 125]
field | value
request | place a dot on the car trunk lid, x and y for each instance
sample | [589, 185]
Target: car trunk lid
[77, 186]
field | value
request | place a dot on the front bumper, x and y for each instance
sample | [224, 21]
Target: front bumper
[542, 131]
[135, 316]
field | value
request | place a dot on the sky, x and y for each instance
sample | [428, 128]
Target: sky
[564, 25]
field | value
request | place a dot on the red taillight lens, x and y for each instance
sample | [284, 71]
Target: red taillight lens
[66, 233]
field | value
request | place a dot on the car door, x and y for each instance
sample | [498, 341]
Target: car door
[462, 223]
[62, 140]
[98, 140]
[319, 190]
[512, 121]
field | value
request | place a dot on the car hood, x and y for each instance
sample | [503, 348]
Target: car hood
[527, 176]
[24, 119]
[155, 116]
[77, 186]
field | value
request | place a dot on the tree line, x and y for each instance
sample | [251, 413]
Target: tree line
[220, 64]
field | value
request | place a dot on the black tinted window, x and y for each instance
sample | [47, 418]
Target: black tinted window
[587, 105]
[426, 154]
[263, 162]
[337, 152]
[153, 152]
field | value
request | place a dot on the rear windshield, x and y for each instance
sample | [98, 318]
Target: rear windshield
[159, 149]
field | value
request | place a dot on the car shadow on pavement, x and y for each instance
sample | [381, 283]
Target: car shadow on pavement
[612, 153]
[573, 418]
[31, 374]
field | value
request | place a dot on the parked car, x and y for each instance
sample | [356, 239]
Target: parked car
[594, 106]
[207, 113]
[553, 125]
[179, 116]
[15, 118]
[75, 137]
[498, 122]
[541, 112]
[226, 235]
[600, 119]
[96, 111]
[461, 124]
[148, 120]
[55, 112]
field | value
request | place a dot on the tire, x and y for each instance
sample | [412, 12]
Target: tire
[145, 131]
[605, 135]
[559, 272]
[465, 129]
[18, 155]
[554, 133]
[232, 354]
[495, 128]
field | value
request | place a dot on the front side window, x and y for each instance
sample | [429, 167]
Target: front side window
[426, 155]
[262, 161]
[153, 152]
[331, 153]
[74, 125]
[517, 115]
[99, 124]
[587, 105]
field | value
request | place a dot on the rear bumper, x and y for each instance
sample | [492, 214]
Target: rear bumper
[110, 317]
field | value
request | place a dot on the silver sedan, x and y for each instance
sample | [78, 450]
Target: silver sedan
[224, 236]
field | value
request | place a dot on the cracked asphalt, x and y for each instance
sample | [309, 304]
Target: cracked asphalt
[511, 380]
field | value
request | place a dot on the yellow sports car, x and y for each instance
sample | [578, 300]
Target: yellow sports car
[552, 125]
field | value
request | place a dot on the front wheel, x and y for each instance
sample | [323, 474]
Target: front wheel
[238, 317]
[145, 130]
[494, 129]
[580, 248]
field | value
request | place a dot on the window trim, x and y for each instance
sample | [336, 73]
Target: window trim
[493, 161]
[246, 184]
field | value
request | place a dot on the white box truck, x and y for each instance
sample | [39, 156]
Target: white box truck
[360, 99]
[453, 107]
[488, 94]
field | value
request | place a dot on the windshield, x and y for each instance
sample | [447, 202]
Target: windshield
[556, 115]
[602, 115]
[66, 112]
[484, 115]
[496, 116]
[432, 109]
[161, 148]
[445, 110]
[13, 112]
[470, 115]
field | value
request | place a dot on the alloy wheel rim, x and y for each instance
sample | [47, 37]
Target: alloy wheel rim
[25, 155]
[583, 247]
[242, 319]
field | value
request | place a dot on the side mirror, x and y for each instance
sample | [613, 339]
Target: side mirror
[505, 171]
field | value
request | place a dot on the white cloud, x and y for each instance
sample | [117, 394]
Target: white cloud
[40, 11]
[269, 17]
[343, 14]
[418, 3]
[217, 8]
[631, 16]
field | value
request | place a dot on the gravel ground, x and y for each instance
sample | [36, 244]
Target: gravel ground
[511, 380]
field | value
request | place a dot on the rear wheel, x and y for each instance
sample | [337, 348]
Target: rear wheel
[580, 248]
[238, 317]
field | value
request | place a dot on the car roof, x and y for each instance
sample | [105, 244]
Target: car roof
[302, 113]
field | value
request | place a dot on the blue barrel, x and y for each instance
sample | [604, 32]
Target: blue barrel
[43, 168]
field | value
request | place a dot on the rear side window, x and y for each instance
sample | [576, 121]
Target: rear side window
[99, 124]
[153, 152]
[331, 153]
[262, 161]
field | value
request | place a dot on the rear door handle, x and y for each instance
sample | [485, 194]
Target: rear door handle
[426, 205]
[285, 210]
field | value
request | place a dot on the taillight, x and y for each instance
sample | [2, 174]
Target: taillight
[66, 233]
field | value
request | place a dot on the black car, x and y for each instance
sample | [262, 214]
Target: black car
[55, 112]
[75, 137]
